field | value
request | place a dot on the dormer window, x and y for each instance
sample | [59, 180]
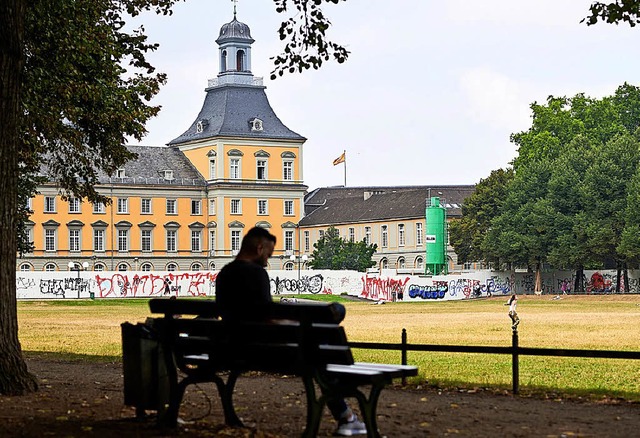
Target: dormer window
[168, 175]
[256, 124]
[120, 173]
[201, 125]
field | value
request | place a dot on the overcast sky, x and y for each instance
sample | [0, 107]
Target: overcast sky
[432, 89]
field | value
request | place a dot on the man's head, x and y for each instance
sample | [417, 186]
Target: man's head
[257, 246]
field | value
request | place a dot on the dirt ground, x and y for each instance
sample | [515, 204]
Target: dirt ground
[80, 399]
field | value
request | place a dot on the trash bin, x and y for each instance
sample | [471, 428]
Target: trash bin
[146, 383]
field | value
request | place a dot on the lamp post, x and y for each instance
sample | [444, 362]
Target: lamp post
[75, 266]
[301, 259]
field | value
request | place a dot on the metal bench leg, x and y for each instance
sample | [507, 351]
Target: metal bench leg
[226, 397]
[315, 406]
[168, 415]
[368, 408]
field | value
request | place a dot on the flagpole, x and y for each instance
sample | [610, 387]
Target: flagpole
[345, 167]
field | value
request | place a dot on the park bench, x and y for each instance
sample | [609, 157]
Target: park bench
[304, 340]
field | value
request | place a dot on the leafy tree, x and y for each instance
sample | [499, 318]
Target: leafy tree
[74, 83]
[334, 252]
[615, 12]
[466, 235]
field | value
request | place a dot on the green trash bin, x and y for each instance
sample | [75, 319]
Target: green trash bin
[146, 383]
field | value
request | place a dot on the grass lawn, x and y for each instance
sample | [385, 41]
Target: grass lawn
[91, 329]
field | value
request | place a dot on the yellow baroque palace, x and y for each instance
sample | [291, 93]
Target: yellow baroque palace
[186, 205]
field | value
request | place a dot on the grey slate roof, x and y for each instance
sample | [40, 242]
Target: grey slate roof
[227, 110]
[342, 205]
[150, 165]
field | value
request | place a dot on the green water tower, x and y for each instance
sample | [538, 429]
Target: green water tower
[436, 238]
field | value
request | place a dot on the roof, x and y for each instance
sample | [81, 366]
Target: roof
[343, 205]
[228, 111]
[150, 167]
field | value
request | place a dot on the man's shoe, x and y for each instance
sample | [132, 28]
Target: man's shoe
[350, 428]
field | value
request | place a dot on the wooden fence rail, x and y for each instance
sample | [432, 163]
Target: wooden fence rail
[514, 350]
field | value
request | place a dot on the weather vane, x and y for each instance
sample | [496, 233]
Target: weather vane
[235, 3]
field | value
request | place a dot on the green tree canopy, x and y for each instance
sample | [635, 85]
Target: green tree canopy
[334, 252]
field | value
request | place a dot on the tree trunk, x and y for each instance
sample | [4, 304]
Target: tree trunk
[627, 285]
[15, 379]
[537, 288]
[618, 276]
[578, 286]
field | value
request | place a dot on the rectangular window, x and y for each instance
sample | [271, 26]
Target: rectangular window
[261, 170]
[123, 205]
[196, 239]
[236, 206]
[321, 234]
[212, 242]
[145, 244]
[306, 241]
[288, 208]
[212, 207]
[172, 237]
[400, 234]
[74, 240]
[98, 240]
[352, 234]
[145, 206]
[235, 241]
[287, 170]
[49, 239]
[212, 168]
[196, 209]
[385, 236]
[288, 240]
[172, 206]
[30, 207]
[123, 240]
[367, 235]
[74, 205]
[419, 234]
[49, 204]
[99, 208]
[262, 207]
[234, 168]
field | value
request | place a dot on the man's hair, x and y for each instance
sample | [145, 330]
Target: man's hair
[254, 237]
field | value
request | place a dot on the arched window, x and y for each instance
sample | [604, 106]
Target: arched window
[172, 267]
[223, 61]
[240, 60]
[146, 267]
[288, 266]
[400, 263]
[25, 267]
[196, 267]
[99, 267]
[384, 264]
[212, 266]
[50, 267]
[123, 267]
[419, 262]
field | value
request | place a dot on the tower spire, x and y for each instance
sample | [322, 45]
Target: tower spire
[235, 3]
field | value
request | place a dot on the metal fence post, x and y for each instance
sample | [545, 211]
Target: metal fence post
[404, 353]
[515, 367]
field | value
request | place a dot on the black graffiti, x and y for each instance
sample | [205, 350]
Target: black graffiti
[52, 287]
[305, 284]
[428, 292]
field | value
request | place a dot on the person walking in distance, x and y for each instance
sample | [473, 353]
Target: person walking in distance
[513, 314]
[243, 292]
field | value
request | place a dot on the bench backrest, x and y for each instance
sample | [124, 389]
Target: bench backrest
[297, 339]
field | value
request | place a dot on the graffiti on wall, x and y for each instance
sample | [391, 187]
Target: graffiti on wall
[304, 285]
[387, 289]
[123, 285]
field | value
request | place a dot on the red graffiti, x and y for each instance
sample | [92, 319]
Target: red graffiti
[382, 289]
[120, 285]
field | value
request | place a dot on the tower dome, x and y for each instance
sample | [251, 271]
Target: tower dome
[234, 31]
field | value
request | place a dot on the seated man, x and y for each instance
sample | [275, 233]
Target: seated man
[243, 291]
